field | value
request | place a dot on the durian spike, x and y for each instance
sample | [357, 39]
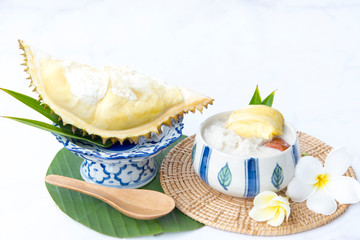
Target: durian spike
[158, 132]
[175, 119]
[134, 140]
[147, 136]
[104, 140]
[73, 128]
[121, 141]
[168, 123]
[21, 44]
[200, 108]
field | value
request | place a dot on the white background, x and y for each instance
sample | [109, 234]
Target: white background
[308, 50]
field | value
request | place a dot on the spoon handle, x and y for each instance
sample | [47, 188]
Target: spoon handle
[135, 203]
[91, 189]
[105, 194]
[72, 184]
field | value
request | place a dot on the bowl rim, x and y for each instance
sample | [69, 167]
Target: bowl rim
[204, 123]
[144, 148]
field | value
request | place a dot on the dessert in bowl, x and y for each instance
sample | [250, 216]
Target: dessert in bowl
[245, 166]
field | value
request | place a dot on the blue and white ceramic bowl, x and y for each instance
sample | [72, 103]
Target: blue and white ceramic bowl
[247, 177]
[122, 166]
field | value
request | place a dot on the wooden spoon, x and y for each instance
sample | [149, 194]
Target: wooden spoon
[136, 203]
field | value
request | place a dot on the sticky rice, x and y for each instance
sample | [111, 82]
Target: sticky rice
[226, 140]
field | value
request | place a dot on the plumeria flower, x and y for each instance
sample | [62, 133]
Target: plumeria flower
[270, 207]
[321, 186]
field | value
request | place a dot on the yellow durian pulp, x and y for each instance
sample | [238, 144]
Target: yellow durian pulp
[256, 121]
[112, 102]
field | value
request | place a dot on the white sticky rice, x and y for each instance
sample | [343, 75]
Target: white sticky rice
[226, 140]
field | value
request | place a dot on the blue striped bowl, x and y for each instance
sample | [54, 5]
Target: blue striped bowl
[244, 177]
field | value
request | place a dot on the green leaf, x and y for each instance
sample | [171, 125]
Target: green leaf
[57, 130]
[34, 104]
[103, 218]
[40, 108]
[224, 176]
[256, 99]
[277, 176]
[268, 101]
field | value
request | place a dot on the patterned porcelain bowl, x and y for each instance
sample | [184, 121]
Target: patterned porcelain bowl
[247, 177]
[122, 166]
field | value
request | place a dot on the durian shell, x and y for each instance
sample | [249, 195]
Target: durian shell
[191, 102]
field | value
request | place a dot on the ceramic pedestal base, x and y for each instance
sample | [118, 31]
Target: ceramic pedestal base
[125, 174]
[122, 166]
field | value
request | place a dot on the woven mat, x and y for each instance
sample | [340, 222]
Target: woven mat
[206, 205]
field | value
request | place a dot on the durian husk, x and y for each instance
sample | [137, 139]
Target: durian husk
[192, 102]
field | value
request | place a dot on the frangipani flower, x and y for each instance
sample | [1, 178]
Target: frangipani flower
[321, 186]
[270, 207]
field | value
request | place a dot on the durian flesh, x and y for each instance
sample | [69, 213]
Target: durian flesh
[256, 121]
[114, 103]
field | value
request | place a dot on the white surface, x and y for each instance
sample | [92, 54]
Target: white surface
[308, 50]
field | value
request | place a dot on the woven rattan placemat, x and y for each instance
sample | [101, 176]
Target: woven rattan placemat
[206, 205]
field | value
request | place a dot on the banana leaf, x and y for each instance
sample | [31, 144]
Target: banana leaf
[34, 104]
[60, 129]
[268, 101]
[256, 99]
[103, 218]
[57, 130]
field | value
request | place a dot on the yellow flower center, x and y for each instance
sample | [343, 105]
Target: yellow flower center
[321, 180]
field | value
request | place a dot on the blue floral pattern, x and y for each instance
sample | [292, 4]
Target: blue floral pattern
[119, 175]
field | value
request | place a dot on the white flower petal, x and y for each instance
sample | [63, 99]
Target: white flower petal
[308, 168]
[279, 199]
[344, 189]
[276, 201]
[322, 202]
[262, 214]
[278, 219]
[287, 210]
[338, 161]
[262, 200]
[299, 191]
